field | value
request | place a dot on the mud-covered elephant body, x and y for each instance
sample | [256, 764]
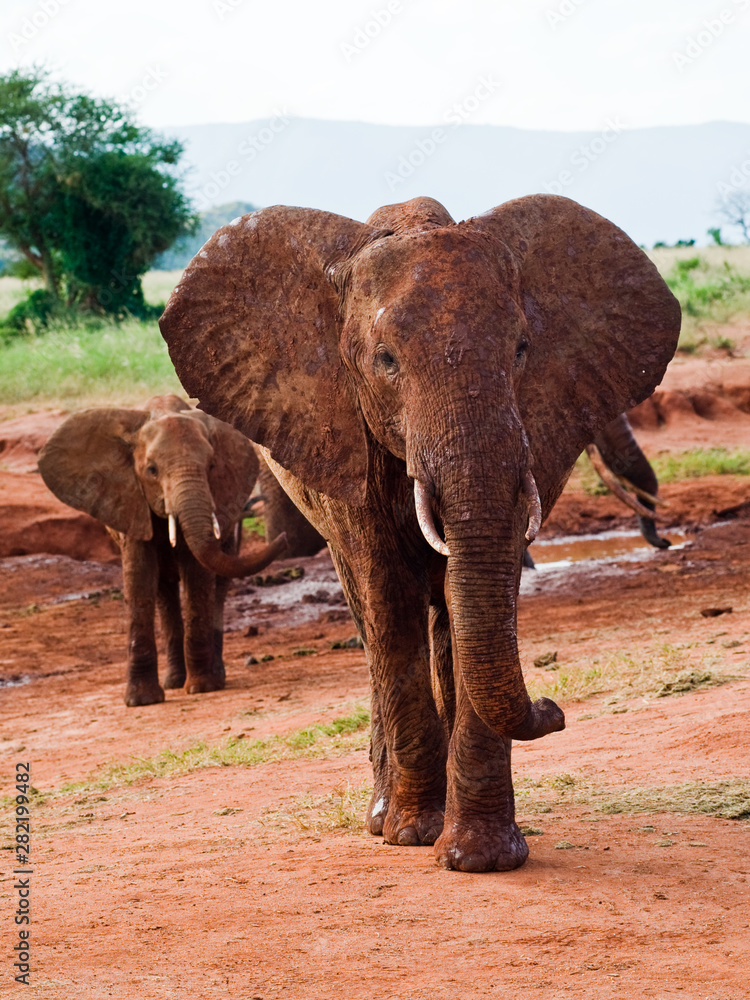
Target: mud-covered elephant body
[440, 380]
[170, 483]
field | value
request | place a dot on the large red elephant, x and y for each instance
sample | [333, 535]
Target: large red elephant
[421, 388]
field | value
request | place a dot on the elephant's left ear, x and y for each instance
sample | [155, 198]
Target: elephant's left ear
[234, 470]
[254, 330]
[602, 323]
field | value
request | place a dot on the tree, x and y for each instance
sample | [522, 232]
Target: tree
[734, 208]
[87, 196]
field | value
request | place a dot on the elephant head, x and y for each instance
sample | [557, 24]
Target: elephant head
[121, 465]
[484, 355]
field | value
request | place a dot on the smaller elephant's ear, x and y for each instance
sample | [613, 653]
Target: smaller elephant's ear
[234, 470]
[88, 464]
[602, 324]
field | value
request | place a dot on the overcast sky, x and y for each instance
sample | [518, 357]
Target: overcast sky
[542, 64]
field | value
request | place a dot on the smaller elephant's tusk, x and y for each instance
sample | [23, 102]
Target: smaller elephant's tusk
[614, 483]
[172, 530]
[535, 506]
[426, 521]
[215, 523]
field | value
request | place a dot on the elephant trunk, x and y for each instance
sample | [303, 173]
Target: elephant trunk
[485, 516]
[191, 504]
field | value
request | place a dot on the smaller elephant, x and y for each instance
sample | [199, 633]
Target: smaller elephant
[170, 483]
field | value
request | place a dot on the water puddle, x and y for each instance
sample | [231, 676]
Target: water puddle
[15, 680]
[605, 545]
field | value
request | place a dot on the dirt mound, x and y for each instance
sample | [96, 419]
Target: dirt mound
[699, 404]
[36, 521]
[22, 439]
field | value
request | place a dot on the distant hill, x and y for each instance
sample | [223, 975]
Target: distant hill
[181, 252]
[656, 183]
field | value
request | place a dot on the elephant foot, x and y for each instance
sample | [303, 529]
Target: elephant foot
[174, 679]
[377, 812]
[481, 847]
[143, 693]
[410, 825]
[202, 685]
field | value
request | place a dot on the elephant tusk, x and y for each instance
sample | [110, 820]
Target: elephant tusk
[215, 523]
[643, 494]
[613, 483]
[426, 521]
[535, 506]
[172, 530]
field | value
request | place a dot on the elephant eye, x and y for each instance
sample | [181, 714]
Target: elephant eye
[521, 348]
[386, 362]
[152, 470]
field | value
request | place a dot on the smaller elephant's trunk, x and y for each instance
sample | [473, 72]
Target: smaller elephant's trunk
[192, 508]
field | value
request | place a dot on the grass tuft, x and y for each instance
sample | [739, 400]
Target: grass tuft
[665, 669]
[342, 809]
[726, 799]
[323, 739]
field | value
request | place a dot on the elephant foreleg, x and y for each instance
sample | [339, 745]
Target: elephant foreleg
[140, 571]
[408, 739]
[200, 622]
[170, 616]
[480, 831]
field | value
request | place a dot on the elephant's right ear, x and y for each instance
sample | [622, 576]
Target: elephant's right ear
[253, 329]
[88, 464]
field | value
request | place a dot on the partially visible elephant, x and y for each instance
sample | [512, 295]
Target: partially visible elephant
[281, 516]
[623, 458]
[421, 389]
[622, 466]
[170, 483]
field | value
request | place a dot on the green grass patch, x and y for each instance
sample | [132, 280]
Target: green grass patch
[725, 799]
[701, 462]
[95, 364]
[90, 362]
[710, 289]
[254, 526]
[342, 735]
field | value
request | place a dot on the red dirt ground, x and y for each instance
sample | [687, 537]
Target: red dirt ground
[194, 885]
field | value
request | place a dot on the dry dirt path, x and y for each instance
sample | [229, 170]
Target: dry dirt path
[229, 881]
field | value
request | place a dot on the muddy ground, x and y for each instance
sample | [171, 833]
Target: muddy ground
[173, 875]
